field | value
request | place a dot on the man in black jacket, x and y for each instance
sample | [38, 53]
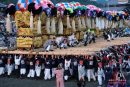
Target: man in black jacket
[31, 68]
[38, 66]
[48, 66]
[90, 68]
[23, 66]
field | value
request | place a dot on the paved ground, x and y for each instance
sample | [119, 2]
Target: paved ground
[13, 82]
[17, 82]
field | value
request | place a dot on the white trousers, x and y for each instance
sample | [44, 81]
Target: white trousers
[100, 79]
[109, 37]
[80, 76]
[66, 77]
[16, 66]
[9, 69]
[63, 45]
[38, 70]
[112, 36]
[71, 42]
[31, 73]
[2, 70]
[43, 67]
[22, 71]
[48, 48]
[47, 74]
[90, 74]
[53, 72]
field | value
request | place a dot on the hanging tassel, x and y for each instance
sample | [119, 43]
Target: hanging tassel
[109, 24]
[8, 24]
[121, 23]
[73, 25]
[48, 25]
[68, 22]
[97, 22]
[60, 26]
[79, 23]
[115, 25]
[106, 25]
[112, 24]
[39, 26]
[83, 22]
[118, 24]
[93, 24]
[86, 21]
[53, 26]
[31, 21]
[90, 23]
[103, 23]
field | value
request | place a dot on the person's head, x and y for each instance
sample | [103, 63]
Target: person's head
[31, 63]
[73, 33]
[59, 66]
[81, 62]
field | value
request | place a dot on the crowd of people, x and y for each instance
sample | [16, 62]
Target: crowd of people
[88, 38]
[70, 41]
[113, 33]
[107, 65]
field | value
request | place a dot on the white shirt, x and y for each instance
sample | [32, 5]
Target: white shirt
[17, 60]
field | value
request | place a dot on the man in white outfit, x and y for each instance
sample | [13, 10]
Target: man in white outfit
[48, 45]
[58, 41]
[9, 66]
[38, 67]
[90, 69]
[61, 42]
[2, 69]
[22, 67]
[31, 70]
[17, 59]
[67, 69]
[72, 40]
[81, 71]
[100, 74]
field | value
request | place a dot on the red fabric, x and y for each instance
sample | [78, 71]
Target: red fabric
[59, 78]
[106, 58]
